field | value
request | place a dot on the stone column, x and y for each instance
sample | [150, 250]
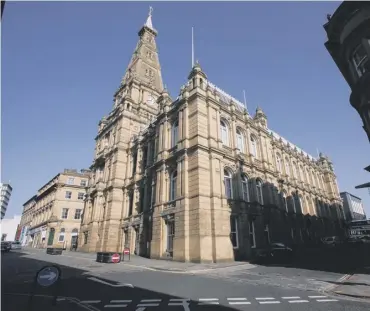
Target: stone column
[179, 188]
[185, 133]
[181, 122]
[233, 133]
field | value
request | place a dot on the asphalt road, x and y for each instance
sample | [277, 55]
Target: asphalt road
[128, 288]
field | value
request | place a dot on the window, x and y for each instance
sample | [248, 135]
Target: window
[239, 140]
[278, 163]
[266, 233]
[126, 239]
[170, 235]
[152, 199]
[83, 183]
[131, 203]
[285, 203]
[254, 146]
[259, 191]
[64, 213]
[360, 60]
[81, 195]
[68, 195]
[173, 182]
[287, 168]
[145, 157]
[62, 235]
[78, 213]
[228, 184]
[70, 181]
[252, 236]
[234, 231]
[134, 161]
[245, 188]
[224, 133]
[301, 204]
[174, 133]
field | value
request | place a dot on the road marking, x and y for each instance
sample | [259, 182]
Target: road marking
[293, 297]
[326, 300]
[297, 301]
[207, 299]
[120, 301]
[151, 300]
[239, 303]
[90, 301]
[179, 300]
[317, 296]
[106, 283]
[148, 305]
[265, 298]
[267, 302]
[208, 303]
[115, 306]
[236, 298]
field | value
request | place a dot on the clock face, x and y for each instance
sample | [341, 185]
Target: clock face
[151, 99]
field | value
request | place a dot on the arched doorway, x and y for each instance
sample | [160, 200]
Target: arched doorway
[51, 236]
[74, 238]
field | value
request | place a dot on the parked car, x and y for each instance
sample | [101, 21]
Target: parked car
[5, 246]
[16, 245]
[331, 241]
[275, 252]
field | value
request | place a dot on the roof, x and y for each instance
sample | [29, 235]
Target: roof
[29, 200]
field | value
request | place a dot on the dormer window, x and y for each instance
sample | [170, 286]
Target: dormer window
[360, 60]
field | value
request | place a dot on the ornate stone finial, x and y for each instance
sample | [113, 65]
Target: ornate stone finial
[150, 11]
[328, 17]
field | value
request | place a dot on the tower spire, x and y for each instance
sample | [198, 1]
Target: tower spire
[192, 47]
[149, 22]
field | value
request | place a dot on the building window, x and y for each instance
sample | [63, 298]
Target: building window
[228, 184]
[360, 60]
[285, 202]
[64, 213]
[278, 163]
[174, 133]
[78, 213]
[252, 236]
[266, 233]
[134, 162]
[254, 151]
[86, 236]
[130, 203]
[152, 199]
[173, 184]
[170, 235]
[287, 168]
[239, 140]
[80, 195]
[70, 181]
[83, 183]
[68, 195]
[234, 231]
[259, 191]
[145, 157]
[301, 204]
[126, 239]
[62, 235]
[245, 188]
[224, 134]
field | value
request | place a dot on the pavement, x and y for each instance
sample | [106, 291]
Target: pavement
[139, 285]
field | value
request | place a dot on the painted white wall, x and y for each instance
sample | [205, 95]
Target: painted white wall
[9, 226]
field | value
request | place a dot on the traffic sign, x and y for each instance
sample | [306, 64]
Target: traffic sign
[47, 276]
[115, 258]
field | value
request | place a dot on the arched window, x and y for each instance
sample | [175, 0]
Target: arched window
[294, 168]
[174, 133]
[287, 167]
[239, 140]
[228, 184]
[254, 146]
[285, 203]
[245, 188]
[259, 191]
[62, 235]
[278, 162]
[173, 179]
[224, 133]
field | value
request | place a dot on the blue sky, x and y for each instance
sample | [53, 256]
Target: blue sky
[62, 62]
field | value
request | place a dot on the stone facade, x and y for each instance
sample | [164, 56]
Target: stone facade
[53, 216]
[198, 178]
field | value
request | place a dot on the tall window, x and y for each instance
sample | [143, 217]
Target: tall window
[68, 195]
[245, 188]
[360, 60]
[252, 236]
[301, 204]
[278, 163]
[224, 133]
[287, 168]
[173, 182]
[285, 202]
[78, 213]
[259, 191]
[228, 184]
[80, 196]
[145, 157]
[170, 235]
[152, 198]
[62, 235]
[239, 140]
[234, 231]
[130, 203]
[266, 233]
[174, 133]
[83, 183]
[64, 213]
[134, 161]
[254, 146]
[126, 239]
[70, 181]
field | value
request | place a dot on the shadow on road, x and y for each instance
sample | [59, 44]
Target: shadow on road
[78, 292]
[344, 259]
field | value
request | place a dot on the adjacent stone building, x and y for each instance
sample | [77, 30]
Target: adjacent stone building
[53, 215]
[198, 178]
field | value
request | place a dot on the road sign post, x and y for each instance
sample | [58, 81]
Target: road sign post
[116, 258]
[126, 251]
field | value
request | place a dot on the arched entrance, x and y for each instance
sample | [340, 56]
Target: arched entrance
[51, 236]
[74, 238]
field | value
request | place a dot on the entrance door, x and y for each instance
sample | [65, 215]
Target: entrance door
[73, 240]
[51, 236]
